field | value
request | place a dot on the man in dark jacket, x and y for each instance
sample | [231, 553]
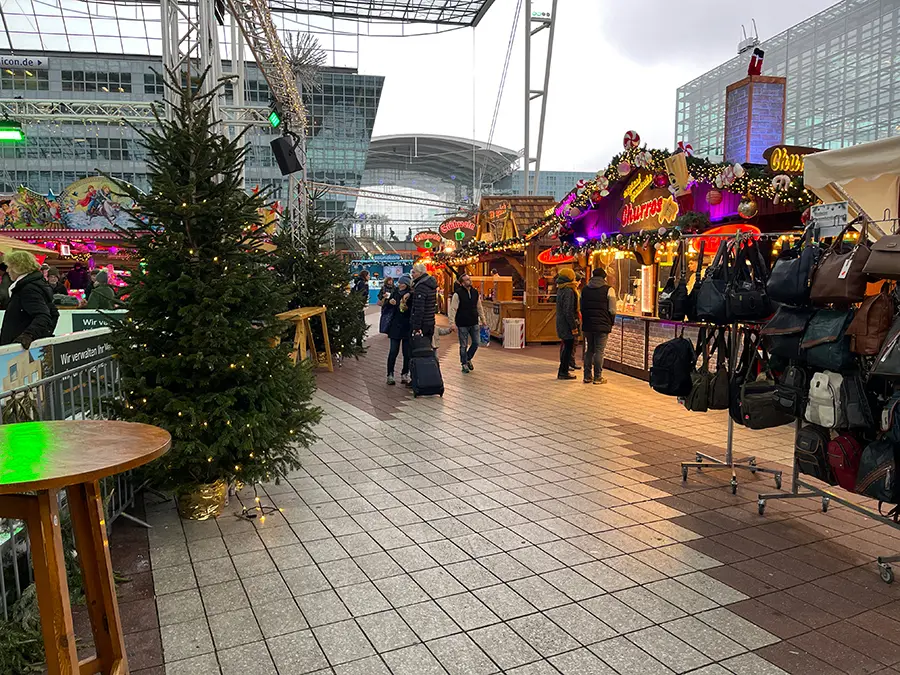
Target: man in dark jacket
[566, 319]
[30, 314]
[466, 314]
[598, 312]
[424, 301]
[103, 296]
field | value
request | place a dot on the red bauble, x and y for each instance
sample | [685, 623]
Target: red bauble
[661, 180]
[596, 196]
[714, 197]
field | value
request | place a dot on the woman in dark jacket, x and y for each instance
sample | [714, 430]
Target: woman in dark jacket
[424, 301]
[399, 330]
[30, 314]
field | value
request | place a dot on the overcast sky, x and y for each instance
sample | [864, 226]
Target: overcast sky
[616, 66]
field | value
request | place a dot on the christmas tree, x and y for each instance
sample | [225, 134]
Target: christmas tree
[196, 350]
[316, 276]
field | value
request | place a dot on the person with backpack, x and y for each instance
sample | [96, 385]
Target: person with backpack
[598, 313]
[566, 319]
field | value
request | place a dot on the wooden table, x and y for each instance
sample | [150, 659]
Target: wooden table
[43, 458]
[303, 333]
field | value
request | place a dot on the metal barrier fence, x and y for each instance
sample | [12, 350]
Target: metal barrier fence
[81, 393]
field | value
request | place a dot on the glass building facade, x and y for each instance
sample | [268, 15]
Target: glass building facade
[843, 81]
[555, 184]
[59, 151]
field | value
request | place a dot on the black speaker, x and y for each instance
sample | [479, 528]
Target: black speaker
[288, 162]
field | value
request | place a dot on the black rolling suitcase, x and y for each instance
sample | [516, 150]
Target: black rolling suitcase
[424, 369]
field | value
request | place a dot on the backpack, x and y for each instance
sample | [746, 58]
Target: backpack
[887, 364]
[825, 343]
[877, 473]
[792, 391]
[673, 363]
[824, 405]
[871, 323]
[857, 412]
[844, 454]
[811, 452]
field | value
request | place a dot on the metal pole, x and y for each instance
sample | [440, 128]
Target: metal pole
[527, 155]
[540, 143]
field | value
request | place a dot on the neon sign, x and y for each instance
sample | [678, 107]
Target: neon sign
[636, 187]
[787, 159]
[428, 240]
[549, 258]
[563, 206]
[664, 209]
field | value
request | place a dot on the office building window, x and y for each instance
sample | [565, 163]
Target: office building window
[154, 84]
[89, 81]
[110, 148]
[24, 80]
[256, 91]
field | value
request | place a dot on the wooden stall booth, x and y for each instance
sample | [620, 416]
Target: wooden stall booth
[509, 276]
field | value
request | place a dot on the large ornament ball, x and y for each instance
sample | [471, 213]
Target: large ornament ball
[596, 196]
[631, 140]
[714, 197]
[624, 168]
[748, 208]
[661, 180]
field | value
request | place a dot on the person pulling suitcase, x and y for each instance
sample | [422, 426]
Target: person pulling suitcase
[425, 371]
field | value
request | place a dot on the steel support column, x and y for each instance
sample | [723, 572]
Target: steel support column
[533, 26]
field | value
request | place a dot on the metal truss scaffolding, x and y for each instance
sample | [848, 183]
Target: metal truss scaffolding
[535, 22]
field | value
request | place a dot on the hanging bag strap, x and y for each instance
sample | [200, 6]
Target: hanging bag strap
[699, 264]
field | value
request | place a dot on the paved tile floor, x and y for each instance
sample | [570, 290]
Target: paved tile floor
[519, 525]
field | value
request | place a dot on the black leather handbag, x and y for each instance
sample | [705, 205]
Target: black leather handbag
[887, 363]
[673, 298]
[757, 402]
[712, 306]
[698, 399]
[791, 276]
[691, 309]
[785, 331]
[826, 344]
[745, 294]
[719, 388]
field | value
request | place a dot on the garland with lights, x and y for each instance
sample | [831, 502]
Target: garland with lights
[751, 181]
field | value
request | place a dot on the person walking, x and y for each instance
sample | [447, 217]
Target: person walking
[598, 313]
[399, 330]
[424, 301]
[30, 314]
[467, 316]
[566, 319]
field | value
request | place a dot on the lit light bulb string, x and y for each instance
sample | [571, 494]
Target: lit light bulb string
[754, 182]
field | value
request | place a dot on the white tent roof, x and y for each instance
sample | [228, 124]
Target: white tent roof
[866, 175]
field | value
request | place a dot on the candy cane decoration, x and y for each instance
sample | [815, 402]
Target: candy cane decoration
[632, 140]
[686, 148]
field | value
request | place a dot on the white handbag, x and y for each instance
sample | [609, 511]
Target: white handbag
[824, 407]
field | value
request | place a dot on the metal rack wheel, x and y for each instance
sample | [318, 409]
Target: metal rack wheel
[825, 502]
[886, 572]
[761, 506]
[733, 486]
[778, 481]
[699, 458]
[684, 472]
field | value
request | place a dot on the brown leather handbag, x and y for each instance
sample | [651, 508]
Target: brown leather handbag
[884, 261]
[840, 278]
[871, 323]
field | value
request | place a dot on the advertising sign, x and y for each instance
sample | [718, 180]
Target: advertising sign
[787, 159]
[19, 61]
[460, 231]
[428, 241]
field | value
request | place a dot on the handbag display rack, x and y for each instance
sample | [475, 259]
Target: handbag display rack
[801, 488]
[703, 460]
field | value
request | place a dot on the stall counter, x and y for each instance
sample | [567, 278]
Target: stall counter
[497, 311]
[633, 339]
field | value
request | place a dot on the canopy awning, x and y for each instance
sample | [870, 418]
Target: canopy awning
[867, 176]
[7, 244]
